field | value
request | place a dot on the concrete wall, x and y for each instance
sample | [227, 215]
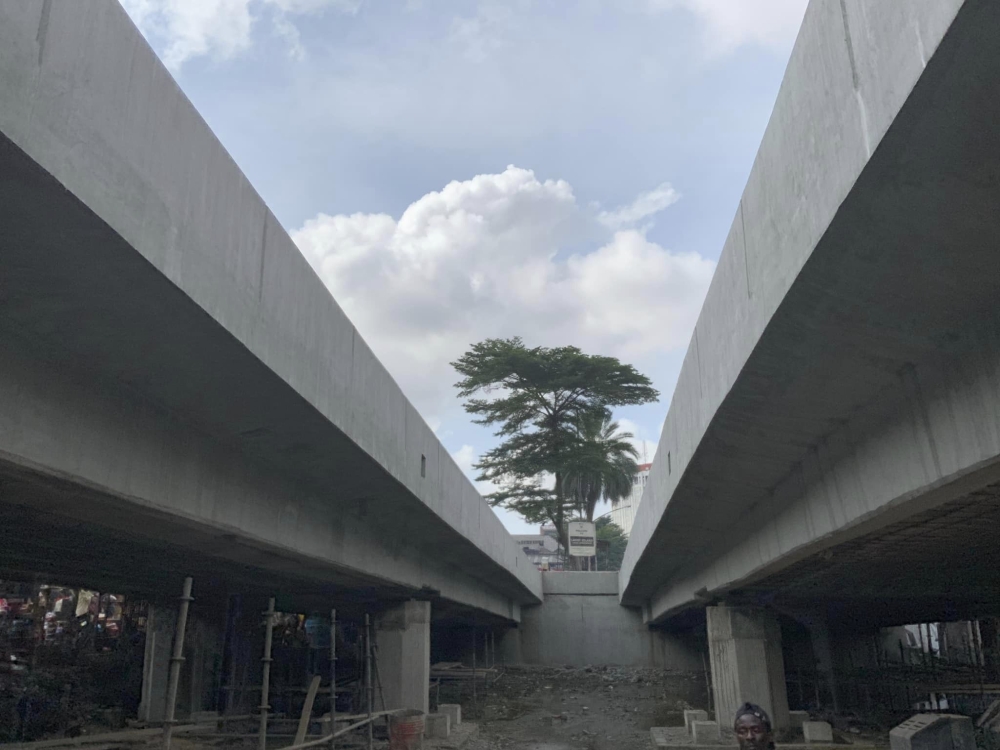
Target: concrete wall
[86, 100]
[581, 622]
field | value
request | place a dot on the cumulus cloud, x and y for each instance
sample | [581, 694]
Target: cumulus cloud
[494, 256]
[221, 28]
[732, 23]
[644, 206]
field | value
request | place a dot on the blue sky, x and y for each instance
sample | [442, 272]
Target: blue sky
[563, 170]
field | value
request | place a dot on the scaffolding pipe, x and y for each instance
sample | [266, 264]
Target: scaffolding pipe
[265, 683]
[486, 661]
[368, 678]
[333, 677]
[475, 702]
[176, 659]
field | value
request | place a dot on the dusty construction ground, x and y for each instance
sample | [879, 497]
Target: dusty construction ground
[592, 708]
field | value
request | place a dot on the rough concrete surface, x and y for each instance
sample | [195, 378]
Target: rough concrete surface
[580, 629]
[404, 648]
[817, 731]
[745, 652]
[437, 725]
[583, 583]
[705, 732]
[693, 715]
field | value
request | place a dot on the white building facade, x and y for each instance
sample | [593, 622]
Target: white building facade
[623, 511]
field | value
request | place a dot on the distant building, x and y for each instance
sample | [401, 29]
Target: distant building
[623, 511]
[549, 529]
[542, 549]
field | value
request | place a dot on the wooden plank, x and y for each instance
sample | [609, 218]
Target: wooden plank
[307, 709]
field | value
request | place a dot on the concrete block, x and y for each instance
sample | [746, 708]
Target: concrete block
[705, 732]
[933, 732]
[797, 718]
[454, 711]
[693, 716]
[437, 726]
[817, 731]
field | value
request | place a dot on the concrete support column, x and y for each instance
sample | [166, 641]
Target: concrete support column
[745, 651]
[510, 647]
[819, 635]
[403, 636]
[160, 621]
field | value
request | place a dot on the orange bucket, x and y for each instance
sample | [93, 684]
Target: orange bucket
[406, 730]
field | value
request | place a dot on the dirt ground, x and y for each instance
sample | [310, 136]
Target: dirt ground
[543, 708]
[592, 708]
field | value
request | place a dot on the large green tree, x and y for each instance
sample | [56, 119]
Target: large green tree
[606, 464]
[537, 398]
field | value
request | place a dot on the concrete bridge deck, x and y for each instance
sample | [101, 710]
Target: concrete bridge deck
[178, 391]
[836, 424]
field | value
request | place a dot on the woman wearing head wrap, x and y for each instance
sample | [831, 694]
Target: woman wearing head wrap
[753, 728]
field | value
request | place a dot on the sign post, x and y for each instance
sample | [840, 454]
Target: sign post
[582, 539]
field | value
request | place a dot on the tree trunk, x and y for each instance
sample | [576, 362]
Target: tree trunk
[592, 497]
[572, 563]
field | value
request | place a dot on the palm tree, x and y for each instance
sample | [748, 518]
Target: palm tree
[604, 464]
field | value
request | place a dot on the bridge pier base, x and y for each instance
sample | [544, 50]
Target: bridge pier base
[403, 635]
[747, 664]
[510, 646]
[822, 646]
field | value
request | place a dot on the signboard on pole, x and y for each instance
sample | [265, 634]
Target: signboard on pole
[582, 539]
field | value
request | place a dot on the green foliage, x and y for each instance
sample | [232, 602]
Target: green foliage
[541, 402]
[604, 466]
[609, 556]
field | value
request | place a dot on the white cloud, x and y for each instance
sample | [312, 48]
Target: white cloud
[732, 23]
[490, 257]
[465, 457]
[290, 33]
[315, 6]
[645, 441]
[220, 28]
[645, 205]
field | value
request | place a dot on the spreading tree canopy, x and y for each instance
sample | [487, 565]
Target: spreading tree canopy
[537, 399]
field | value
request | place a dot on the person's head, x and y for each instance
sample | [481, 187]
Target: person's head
[753, 728]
